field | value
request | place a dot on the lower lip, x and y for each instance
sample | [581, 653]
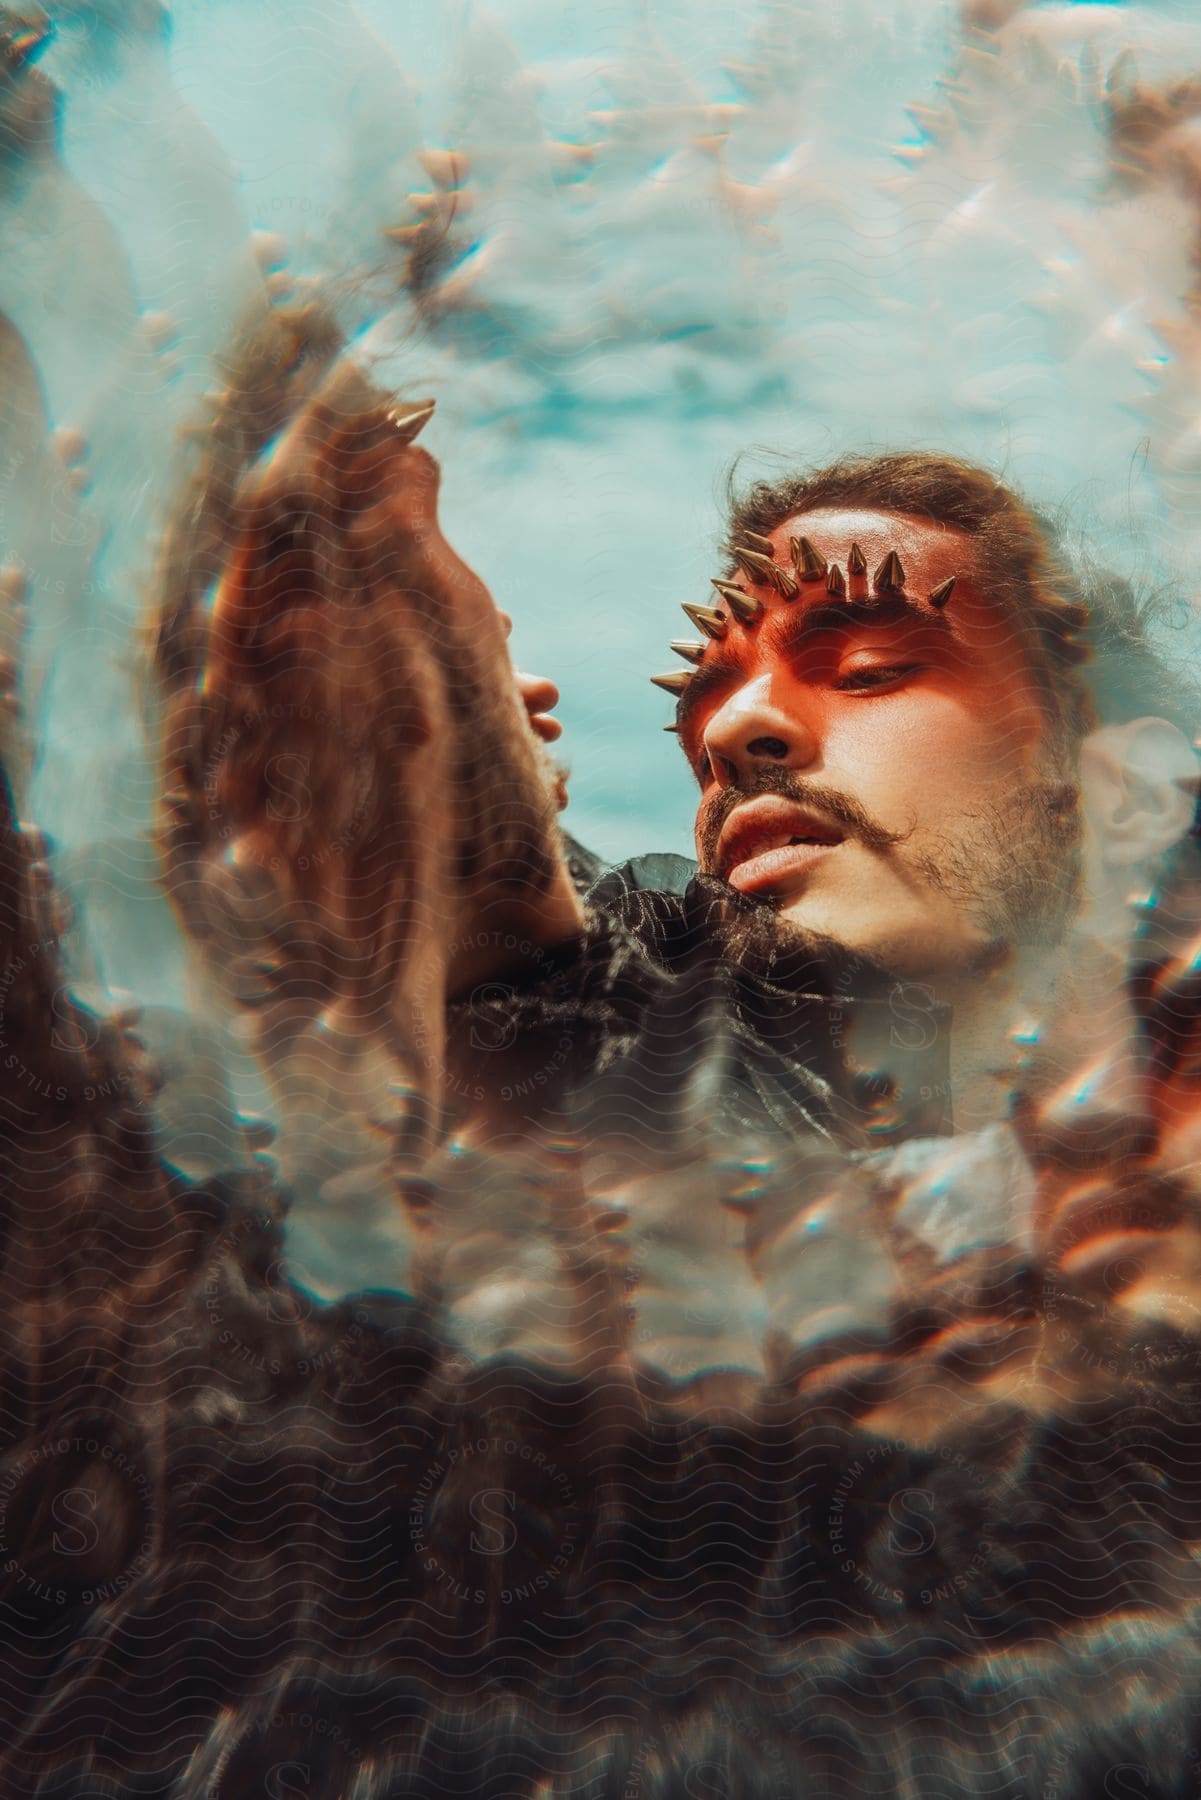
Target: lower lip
[774, 867]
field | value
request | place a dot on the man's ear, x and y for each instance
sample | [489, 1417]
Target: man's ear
[1139, 783]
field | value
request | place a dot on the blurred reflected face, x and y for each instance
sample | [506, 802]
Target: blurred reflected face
[880, 769]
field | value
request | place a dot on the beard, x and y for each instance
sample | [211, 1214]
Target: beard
[1013, 868]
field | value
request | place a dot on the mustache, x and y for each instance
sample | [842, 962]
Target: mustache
[855, 820]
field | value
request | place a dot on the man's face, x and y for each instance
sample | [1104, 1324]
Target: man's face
[906, 745]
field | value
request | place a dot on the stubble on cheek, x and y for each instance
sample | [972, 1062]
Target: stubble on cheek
[1015, 869]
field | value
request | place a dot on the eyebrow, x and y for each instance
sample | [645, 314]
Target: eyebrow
[800, 631]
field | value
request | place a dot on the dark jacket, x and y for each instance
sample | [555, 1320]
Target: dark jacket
[685, 1011]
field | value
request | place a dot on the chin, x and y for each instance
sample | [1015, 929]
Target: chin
[824, 917]
[780, 947]
[915, 945]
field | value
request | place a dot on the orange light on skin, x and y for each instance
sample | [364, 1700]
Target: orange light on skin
[923, 718]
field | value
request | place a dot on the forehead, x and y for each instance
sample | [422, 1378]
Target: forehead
[922, 544]
[929, 553]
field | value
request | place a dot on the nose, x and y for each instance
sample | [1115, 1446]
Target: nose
[751, 728]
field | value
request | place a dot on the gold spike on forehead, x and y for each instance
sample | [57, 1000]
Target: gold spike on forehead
[757, 541]
[673, 683]
[745, 608]
[890, 574]
[714, 624]
[809, 562]
[757, 567]
[942, 593]
[411, 419]
[856, 561]
[745, 558]
[835, 584]
[764, 567]
[726, 588]
[691, 652]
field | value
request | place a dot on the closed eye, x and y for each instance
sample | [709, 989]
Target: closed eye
[880, 675]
